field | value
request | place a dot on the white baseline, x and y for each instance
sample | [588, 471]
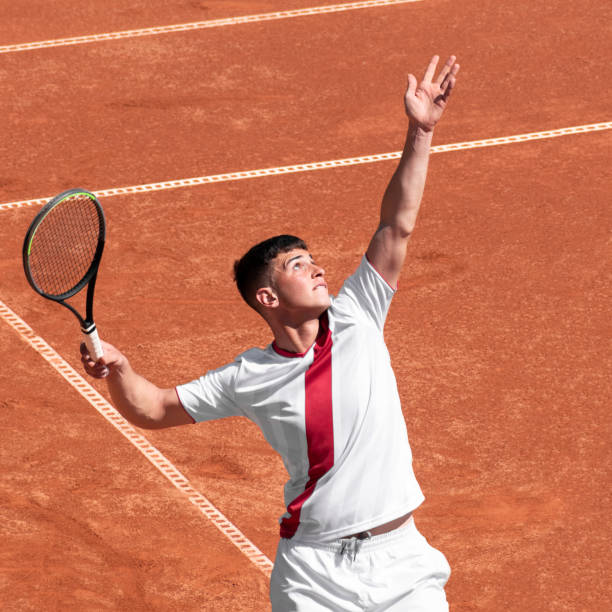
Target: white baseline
[228, 529]
[322, 165]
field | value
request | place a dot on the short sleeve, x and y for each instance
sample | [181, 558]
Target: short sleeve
[365, 293]
[211, 396]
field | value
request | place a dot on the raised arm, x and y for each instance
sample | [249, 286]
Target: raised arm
[425, 103]
[137, 399]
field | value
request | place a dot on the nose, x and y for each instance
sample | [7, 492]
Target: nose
[317, 271]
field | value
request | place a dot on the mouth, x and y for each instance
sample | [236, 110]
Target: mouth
[323, 285]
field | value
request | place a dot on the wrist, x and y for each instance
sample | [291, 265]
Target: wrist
[418, 139]
[119, 366]
[420, 131]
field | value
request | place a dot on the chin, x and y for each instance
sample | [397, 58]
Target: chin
[325, 304]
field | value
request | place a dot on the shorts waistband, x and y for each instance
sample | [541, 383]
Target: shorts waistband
[361, 542]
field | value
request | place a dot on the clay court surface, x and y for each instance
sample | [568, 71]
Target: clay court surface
[499, 334]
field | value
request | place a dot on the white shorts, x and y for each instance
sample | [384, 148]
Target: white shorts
[397, 571]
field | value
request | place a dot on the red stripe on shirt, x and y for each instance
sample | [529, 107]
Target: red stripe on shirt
[319, 425]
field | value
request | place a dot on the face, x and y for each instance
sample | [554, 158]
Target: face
[298, 284]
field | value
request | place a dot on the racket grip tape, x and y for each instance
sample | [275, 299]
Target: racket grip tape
[92, 341]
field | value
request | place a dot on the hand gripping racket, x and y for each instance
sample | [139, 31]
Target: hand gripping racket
[62, 251]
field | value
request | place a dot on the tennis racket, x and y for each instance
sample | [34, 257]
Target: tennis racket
[62, 251]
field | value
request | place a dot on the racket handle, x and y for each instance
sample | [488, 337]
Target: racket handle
[92, 341]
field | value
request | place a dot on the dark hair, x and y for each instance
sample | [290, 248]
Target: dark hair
[251, 270]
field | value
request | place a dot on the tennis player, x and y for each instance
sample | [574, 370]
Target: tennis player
[325, 396]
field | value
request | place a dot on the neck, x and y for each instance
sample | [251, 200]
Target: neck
[295, 338]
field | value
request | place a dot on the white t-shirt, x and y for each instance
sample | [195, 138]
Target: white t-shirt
[332, 413]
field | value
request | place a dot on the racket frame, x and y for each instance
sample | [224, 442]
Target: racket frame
[88, 326]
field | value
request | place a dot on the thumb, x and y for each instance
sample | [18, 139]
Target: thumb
[412, 85]
[111, 355]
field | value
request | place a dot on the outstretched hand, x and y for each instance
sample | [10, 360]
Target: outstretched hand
[425, 101]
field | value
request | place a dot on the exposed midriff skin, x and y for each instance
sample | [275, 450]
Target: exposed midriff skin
[386, 527]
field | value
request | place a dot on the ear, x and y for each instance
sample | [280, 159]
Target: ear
[267, 297]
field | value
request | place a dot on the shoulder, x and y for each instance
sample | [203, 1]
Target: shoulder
[257, 363]
[256, 356]
[364, 294]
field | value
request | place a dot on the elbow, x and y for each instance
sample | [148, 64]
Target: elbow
[404, 231]
[155, 418]
[148, 423]
[152, 417]
[399, 226]
[401, 229]
[404, 224]
[143, 421]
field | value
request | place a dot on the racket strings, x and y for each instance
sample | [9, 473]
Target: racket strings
[64, 245]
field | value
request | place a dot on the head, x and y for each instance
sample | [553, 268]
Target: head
[278, 276]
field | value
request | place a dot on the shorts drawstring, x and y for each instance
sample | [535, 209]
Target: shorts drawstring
[352, 545]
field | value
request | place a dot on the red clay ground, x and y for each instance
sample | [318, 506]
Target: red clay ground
[499, 334]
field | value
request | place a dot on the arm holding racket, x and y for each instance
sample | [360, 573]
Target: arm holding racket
[137, 399]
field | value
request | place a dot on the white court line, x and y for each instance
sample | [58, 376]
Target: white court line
[323, 165]
[229, 530]
[200, 25]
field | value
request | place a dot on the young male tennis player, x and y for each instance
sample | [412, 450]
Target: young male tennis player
[325, 396]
